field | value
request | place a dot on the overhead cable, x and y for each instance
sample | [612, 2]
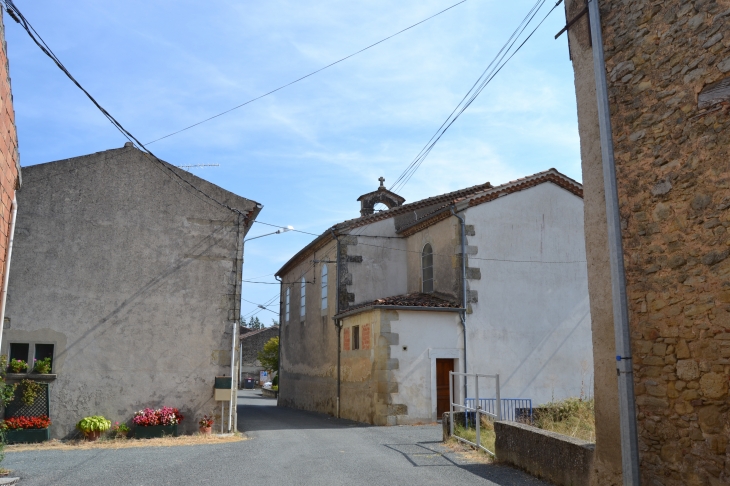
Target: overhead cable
[494, 67]
[303, 77]
[15, 13]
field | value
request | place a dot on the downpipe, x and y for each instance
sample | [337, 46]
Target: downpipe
[462, 314]
[338, 323]
[624, 368]
[6, 272]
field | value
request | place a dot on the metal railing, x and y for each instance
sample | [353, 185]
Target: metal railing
[475, 408]
[514, 409]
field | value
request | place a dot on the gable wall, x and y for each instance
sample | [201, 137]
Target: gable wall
[530, 322]
[132, 278]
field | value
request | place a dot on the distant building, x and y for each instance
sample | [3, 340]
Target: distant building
[393, 280]
[252, 342]
[127, 274]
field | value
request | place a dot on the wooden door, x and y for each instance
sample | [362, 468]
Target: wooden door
[443, 367]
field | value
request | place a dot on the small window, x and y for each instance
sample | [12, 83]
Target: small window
[427, 268]
[355, 337]
[43, 351]
[286, 305]
[20, 351]
[324, 287]
[303, 299]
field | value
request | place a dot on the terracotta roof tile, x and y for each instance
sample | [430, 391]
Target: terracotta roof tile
[417, 299]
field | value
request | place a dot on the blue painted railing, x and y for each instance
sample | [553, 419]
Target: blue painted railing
[513, 409]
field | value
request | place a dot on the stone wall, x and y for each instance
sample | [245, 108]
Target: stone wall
[252, 343]
[672, 164]
[134, 278]
[9, 158]
[560, 459]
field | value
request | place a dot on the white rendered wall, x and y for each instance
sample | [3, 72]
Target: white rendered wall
[427, 336]
[532, 323]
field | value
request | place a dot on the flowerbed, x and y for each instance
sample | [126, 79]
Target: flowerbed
[162, 416]
[16, 423]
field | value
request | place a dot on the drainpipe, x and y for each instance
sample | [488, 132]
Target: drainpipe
[624, 368]
[282, 312]
[6, 275]
[338, 323]
[231, 427]
[462, 314]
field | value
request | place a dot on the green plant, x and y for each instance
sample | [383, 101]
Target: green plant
[120, 430]
[42, 365]
[95, 423]
[18, 366]
[269, 355]
[7, 391]
[274, 388]
[30, 390]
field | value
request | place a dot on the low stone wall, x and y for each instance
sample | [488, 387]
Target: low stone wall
[266, 393]
[560, 459]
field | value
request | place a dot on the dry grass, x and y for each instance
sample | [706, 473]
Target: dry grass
[572, 417]
[103, 443]
[487, 438]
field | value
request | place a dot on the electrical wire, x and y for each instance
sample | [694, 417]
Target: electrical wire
[487, 76]
[304, 77]
[17, 15]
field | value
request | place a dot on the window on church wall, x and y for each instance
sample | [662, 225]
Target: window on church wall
[324, 287]
[427, 268]
[303, 299]
[286, 305]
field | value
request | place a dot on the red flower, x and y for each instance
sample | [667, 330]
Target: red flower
[15, 423]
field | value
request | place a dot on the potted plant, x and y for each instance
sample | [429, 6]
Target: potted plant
[156, 423]
[26, 429]
[92, 427]
[17, 366]
[206, 425]
[120, 431]
[42, 366]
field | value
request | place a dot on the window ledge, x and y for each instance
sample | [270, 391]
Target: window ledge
[30, 376]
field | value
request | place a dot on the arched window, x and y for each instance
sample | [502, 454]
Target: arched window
[303, 299]
[324, 287]
[286, 305]
[427, 268]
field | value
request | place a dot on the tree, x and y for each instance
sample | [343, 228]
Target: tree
[255, 323]
[269, 355]
[274, 322]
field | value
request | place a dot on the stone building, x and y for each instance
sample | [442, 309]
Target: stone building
[667, 66]
[127, 274]
[252, 342]
[372, 309]
[10, 176]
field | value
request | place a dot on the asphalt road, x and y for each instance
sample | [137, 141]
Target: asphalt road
[285, 447]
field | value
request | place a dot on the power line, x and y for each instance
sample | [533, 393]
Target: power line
[17, 15]
[494, 67]
[283, 226]
[303, 77]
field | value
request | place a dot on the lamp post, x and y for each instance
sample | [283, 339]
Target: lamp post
[234, 385]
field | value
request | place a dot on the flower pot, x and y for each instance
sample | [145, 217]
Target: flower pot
[154, 431]
[205, 430]
[27, 436]
[92, 435]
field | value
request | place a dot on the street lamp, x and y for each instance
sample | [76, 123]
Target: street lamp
[277, 232]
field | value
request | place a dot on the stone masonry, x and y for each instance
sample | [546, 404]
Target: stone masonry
[672, 162]
[9, 158]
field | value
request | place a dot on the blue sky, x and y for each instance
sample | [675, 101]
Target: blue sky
[309, 151]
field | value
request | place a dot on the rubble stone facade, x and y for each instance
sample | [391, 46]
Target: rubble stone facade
[9, 158]
[672, 152]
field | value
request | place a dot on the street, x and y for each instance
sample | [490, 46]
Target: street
[285, 447]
